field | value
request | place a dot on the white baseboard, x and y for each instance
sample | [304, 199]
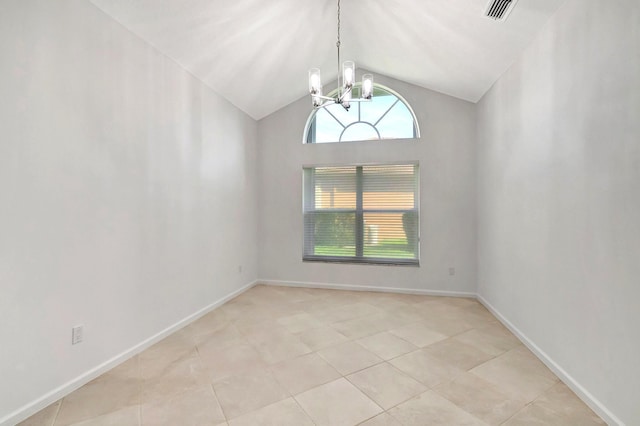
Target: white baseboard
[366, 288]
[51, 397]
[576, 387]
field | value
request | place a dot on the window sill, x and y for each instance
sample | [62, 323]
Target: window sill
[355, 261]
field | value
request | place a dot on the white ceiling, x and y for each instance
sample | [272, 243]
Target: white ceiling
[256, 53]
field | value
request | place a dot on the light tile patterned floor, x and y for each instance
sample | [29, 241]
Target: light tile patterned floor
[293, 356]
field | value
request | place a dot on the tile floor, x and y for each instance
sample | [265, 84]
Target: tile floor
[293, 356]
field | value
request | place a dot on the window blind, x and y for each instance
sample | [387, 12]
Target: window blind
[363, 213]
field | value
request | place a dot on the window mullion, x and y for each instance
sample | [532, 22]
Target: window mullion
[336, 118]
[386, 112]
[359, 214]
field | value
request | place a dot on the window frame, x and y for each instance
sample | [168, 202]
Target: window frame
[359, 212]
[311, 122]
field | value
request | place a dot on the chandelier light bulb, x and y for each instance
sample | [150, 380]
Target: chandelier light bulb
[348, 74]
[367, 86]
[315, 83]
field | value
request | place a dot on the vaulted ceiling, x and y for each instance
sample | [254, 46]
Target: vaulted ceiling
[256, 53]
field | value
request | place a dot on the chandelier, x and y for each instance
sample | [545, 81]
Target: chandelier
[344, 92]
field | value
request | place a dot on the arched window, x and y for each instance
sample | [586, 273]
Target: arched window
[386, 116]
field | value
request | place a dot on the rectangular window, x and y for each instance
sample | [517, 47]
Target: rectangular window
[365, 214]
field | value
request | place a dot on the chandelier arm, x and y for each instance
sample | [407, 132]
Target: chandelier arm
[342, 95]
[359, 100]
[331, 101]
[324, 97]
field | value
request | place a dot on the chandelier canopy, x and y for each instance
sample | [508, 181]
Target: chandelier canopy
[345, 90]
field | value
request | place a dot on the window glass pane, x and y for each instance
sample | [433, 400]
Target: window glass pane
[334, 234]
[326, 127]
[372, 111]
[389, 235]
[335, 188]
[389, 187]
[345, 117]
[398, 123]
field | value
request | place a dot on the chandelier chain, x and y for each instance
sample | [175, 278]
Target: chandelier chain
[346, 80]
[338, 43]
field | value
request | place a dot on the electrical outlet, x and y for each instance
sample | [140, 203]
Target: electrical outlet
[452, 271]
[76, 334]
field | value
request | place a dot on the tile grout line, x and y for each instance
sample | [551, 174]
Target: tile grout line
[302, 408]
[213, 389]
[401, 402]
[55, 417]
[140, 384]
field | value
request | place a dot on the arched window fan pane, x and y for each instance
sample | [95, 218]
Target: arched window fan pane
[326, 127]
[386, 116]
[397, 123]
[373, 111]
[359, 132]
[345, 117]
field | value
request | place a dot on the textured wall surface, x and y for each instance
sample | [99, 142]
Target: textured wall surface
[559, 196]
[128, 194]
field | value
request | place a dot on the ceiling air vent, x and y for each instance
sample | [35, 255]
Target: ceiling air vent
[499, 9]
